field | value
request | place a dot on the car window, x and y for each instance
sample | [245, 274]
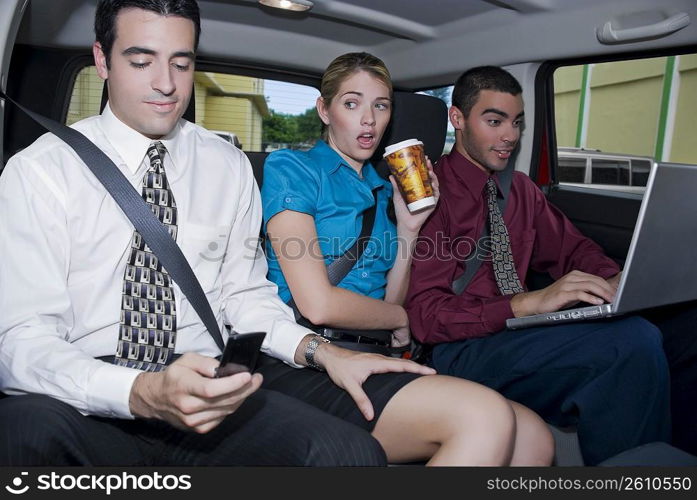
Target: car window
[572, 169]
[257, 114]
[640, 172]
[610, 172]
[636, 110]
[444, 94]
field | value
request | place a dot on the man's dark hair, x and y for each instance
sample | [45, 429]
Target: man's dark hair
[473, 81]
[107, 10]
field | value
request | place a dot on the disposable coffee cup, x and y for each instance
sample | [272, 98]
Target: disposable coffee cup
[407, 163]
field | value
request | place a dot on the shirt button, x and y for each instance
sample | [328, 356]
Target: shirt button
[368, 251]
[288, 200]
[364, 274]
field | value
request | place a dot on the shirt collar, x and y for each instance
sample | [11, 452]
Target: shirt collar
[470, 175]
[131, 145]
[331, 161]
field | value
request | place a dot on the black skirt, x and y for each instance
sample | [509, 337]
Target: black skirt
[317, 389]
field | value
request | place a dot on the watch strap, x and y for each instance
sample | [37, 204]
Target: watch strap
[310, 350]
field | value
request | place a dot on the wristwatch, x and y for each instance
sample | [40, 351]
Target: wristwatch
[310, 350]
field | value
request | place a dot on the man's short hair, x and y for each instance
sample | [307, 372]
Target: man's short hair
[107, 10]
[473, 81]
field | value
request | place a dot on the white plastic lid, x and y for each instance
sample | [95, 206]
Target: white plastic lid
[396, 147]
[422, 203]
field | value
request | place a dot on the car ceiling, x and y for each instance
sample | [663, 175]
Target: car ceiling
[425, 43]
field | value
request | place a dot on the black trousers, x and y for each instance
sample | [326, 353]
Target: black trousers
[268, 429]
[678, 323]
[609, 378]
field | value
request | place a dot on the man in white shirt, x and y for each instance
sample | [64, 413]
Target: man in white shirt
[63, 252]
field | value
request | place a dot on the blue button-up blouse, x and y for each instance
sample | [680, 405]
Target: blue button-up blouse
[320, 183]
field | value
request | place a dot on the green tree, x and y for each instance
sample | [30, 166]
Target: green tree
[309, 126]
[278, 127]
[291, 129]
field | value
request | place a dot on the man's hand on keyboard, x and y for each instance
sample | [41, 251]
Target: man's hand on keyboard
[568, 290]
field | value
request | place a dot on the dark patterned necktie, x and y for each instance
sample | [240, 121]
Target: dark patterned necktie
[502, 259]
[148, 314]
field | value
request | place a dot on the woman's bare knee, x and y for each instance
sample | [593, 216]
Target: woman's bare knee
[454, 421]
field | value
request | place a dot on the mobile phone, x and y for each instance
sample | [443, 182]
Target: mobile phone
[240, 354]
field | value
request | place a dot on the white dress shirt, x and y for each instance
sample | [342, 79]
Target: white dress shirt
[64, 243]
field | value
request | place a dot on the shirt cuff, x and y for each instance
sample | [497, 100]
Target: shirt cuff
[287, 201]
[496, 311]
[607, 272]
[284, 341]
[109, 391]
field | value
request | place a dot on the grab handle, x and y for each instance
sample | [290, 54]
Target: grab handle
[608, 34]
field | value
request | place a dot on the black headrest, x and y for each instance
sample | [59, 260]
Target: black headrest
[189, 114]
[414, 116]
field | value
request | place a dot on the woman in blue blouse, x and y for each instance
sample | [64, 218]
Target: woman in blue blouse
[313, 203]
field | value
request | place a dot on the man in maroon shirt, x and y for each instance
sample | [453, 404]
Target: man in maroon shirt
[609, 378]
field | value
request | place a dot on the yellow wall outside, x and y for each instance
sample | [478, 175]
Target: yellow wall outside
[567, 92]
[199, 103]
[235, 83]
[235, 115]
[87, 95]
[625, 102]
[624, 116]
[622, 71]
[683, 149]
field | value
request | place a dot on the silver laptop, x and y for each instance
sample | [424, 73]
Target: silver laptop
[661, 266]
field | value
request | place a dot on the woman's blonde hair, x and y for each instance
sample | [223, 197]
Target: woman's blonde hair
[346, 65]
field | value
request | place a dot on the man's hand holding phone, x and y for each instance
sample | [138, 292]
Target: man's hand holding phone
[195, 392]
